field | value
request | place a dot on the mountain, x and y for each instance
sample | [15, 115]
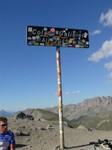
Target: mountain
[89, 107]
[92, 113]
[5, 114]
[39, 114]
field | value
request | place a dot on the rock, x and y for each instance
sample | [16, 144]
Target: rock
[41, 128]
[57, 148]
[82, 127]
[22, 115]
[21, 133]
[49, 127]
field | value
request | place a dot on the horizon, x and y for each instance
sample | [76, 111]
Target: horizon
[53, 106]
[28, 74]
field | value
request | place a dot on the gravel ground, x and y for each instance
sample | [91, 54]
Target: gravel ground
[44, 135]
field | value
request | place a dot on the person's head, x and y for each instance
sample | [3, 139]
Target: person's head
[3, 124]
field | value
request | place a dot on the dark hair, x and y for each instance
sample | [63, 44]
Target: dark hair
[4, 119]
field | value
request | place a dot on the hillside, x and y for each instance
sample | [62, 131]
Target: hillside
[95, 113]
[6, 114]
[39, 129]
[100, 121]
[39, 114]
[89, 107]
[44, 135]
[91, 113]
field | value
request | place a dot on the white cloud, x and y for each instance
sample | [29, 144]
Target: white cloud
[104, 52]
[106, 19]
[76, 92]
[95, 32]
[72, 92]
[108, 65]
[67, 93]
[110, 74]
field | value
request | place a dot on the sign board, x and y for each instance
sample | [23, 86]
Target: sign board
[58, 37]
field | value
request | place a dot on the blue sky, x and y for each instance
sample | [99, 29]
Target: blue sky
[28, 76]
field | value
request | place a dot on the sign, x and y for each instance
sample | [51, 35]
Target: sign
[58, 37]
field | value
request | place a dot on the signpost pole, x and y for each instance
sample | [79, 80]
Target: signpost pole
[60, 104]
[58, 37]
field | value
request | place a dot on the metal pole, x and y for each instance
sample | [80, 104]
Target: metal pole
[60, 104]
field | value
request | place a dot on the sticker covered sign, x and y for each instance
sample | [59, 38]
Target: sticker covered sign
[58, 37]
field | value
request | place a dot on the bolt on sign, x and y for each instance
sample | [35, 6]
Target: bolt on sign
[58, 37]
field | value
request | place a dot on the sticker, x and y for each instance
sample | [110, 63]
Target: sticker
[57, 37]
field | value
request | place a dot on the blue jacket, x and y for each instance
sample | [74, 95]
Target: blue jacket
[6, 139]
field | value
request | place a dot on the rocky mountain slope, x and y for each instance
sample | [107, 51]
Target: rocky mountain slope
[89, 107]
[39, 115]
[44, 135]
[91, 113]
[6, 114]
[39, 129]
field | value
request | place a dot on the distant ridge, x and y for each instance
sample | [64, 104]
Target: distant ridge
[93, 113]
[38, 114]
[5, 114]
[89, 107]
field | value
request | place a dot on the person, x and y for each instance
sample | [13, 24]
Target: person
[7, 138]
